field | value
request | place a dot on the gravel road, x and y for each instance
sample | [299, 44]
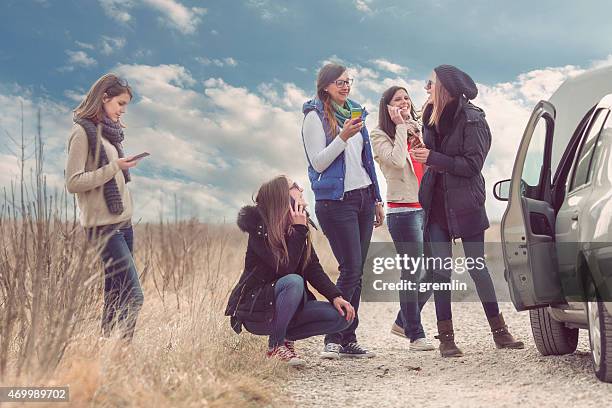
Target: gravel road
[484, 377]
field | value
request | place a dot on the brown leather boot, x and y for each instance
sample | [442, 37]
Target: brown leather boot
[446, 335]
[501, 335]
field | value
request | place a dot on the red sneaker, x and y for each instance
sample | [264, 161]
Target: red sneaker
[291, 346]
[285, 355]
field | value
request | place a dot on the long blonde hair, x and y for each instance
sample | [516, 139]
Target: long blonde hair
[441, 98]
[273, 202]
[92, 107]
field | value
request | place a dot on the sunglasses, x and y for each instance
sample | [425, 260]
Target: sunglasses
[429, 84]
[340, 83]
[121, 82]
[296, 185]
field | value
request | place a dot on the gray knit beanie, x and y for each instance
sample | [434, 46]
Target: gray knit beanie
[456, 81]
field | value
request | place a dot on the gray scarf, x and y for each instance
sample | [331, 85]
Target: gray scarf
[113, 132]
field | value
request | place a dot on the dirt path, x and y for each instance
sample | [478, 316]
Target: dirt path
[484, 377]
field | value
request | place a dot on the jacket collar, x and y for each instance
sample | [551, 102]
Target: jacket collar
[250, 220]
[317, 104]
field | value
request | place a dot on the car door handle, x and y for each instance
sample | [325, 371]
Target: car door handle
[575, 216]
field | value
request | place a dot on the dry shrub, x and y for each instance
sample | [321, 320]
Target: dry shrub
[184, 353]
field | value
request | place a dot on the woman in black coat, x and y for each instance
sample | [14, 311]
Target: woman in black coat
[452, 193]
[272, 297]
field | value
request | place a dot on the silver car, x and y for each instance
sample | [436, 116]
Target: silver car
[556, 231]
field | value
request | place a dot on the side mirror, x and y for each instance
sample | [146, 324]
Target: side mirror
[501, 190]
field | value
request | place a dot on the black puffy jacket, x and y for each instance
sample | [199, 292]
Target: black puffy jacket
[252, 299]
[456, 164]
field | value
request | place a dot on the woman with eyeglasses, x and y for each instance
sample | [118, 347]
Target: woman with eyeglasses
[452, 193]
[97, 171]
[397, 133]
[272, 296]
[343, 179]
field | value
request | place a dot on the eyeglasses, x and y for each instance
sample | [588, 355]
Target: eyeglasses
[429, 84]
[340, 83]
[296, 185]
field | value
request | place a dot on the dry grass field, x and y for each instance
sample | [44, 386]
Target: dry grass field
[184, 353]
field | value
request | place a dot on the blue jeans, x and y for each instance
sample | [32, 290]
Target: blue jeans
[439, 244]
[292, 322]
[123, 295]
[406, 229]
[348, 225]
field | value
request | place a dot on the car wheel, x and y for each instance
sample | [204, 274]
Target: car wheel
[551, 336]
[600, 339]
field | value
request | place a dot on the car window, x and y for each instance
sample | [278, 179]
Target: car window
[534, 159]
[595, 163]
[581, 165]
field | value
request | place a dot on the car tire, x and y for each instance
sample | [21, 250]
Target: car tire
[600, 339]
[551, 336]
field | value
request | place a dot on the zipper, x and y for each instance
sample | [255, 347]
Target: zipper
[239, 299]
[254, 300]
[242, 291]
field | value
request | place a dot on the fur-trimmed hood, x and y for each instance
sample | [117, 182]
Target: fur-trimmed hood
[250, 220]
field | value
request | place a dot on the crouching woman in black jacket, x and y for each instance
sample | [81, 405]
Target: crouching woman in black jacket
[271, 297]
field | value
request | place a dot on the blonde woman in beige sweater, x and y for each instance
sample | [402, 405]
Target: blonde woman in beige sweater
[98, 173]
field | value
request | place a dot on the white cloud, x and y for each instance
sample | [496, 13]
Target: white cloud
[173, 13]
[219, 62]
[108, 45]
[363, 5]
[118, 9]
[213, 143]
[80, 58]
[142, 53]
[74, 95]
[389, 66]
[606, 62]
[182, 18]
[267, 9]
[84, 45]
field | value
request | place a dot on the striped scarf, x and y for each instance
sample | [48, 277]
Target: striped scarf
[114, 134]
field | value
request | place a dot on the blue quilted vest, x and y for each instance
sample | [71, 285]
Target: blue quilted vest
[329, 185]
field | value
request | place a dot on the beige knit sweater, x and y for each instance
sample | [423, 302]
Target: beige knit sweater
[87, 181]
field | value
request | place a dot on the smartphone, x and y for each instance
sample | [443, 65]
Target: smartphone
[356, 113]
[140, 156]
[415, 142]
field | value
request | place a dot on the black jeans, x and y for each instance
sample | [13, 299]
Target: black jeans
[406, 229]
[438, 240]
[296, 318]
[348, 225]
[123, 295]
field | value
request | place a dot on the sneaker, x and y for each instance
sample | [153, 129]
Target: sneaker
[285, 355]
[421, 344]
[397, 330]
[331, 351]
[291, 346]
[354, 350]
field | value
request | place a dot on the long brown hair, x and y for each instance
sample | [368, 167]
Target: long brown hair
[441, 98]
[273, 202]
[328, 74]
[91, 107]
[384, 119]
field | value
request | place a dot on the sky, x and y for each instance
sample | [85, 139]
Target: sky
[219, 84]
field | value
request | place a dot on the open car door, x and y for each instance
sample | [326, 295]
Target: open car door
[527, 227]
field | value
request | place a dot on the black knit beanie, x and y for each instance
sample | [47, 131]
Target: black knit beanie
[456, 81]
